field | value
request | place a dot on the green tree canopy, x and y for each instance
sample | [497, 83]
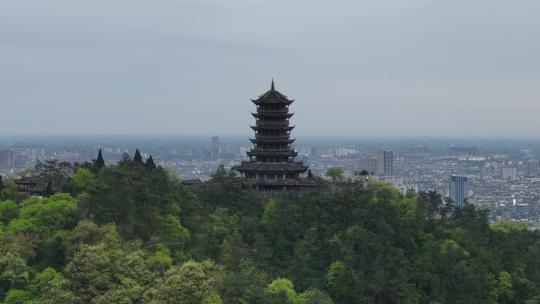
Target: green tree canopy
[336, 174]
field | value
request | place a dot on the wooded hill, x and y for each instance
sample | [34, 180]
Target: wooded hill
[132, 233]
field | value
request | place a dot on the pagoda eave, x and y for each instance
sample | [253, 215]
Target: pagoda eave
[258, 153]
[277, 127]
[271, 140]
[272, 115]
[268, 100]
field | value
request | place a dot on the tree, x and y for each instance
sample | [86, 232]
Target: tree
[83, 178]
[14, 272]
[368, 244]
[109, 271]
[49, 189]
[44, 217]
[174, 234]
[336, 174]
[431, 203]
[191, 283]
[99, 162]
[363, 173]
[137, 158]
[286, 287]
[150, 165]
[17, 296]
[50, 287]
[8, 211]
[220, 173]
[54, 169]
[315, 296]
[10, 192]
[134, 198]
[340, 282]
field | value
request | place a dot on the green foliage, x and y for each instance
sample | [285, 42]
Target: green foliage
[9, 192]
[161, 260]
[139, 201]
[50, 287]
[108, 271]
[8, 211]
[508, 226]
[336, 174]
[315, 296]
[83, 178]
[135, 235]
[14, 271]
[44, 217]
[175, 235]
[220, 173]
[431, 203]
[191, 283]
[285, 287]
[17, 296]
[49, 189]
[340, 281]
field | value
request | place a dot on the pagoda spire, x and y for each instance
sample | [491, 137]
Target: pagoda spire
[272, 87]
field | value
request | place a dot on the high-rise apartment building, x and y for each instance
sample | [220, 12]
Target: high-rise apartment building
[510, 173]
[368, 164]
[6, 159]
[214, 147]
[458, 189]
[532, 168]
[385, 163]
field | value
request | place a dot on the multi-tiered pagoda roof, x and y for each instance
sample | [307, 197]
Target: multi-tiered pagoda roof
[271, 162]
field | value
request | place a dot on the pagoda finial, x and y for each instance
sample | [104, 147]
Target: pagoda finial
[272, 88]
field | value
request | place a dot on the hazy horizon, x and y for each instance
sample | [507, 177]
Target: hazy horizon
[372, 69]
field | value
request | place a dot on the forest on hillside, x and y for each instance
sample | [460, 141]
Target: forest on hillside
[133, 233]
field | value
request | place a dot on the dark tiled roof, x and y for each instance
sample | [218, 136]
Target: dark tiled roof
[36, 184]
[272, 96]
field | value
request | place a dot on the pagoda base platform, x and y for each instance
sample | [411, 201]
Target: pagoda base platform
[280, 185]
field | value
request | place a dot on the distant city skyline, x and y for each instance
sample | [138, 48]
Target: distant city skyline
[370, 68]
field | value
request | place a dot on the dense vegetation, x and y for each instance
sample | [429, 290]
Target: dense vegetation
[131, 233]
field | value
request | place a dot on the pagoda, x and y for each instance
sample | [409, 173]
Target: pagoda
[271, 166]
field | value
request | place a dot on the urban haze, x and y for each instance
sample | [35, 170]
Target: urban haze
[269, 152]
[356, 68]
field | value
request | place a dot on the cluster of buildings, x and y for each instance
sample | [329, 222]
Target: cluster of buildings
[381, 164]
[14, 158]
[498, 177]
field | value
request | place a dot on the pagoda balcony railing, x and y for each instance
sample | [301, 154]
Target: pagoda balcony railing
[261, 109]
[272, 150]
[264, 136]
[274, 180]
[262, 123]
[288, 162]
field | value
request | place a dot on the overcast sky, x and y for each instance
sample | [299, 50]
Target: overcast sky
[355, 68]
